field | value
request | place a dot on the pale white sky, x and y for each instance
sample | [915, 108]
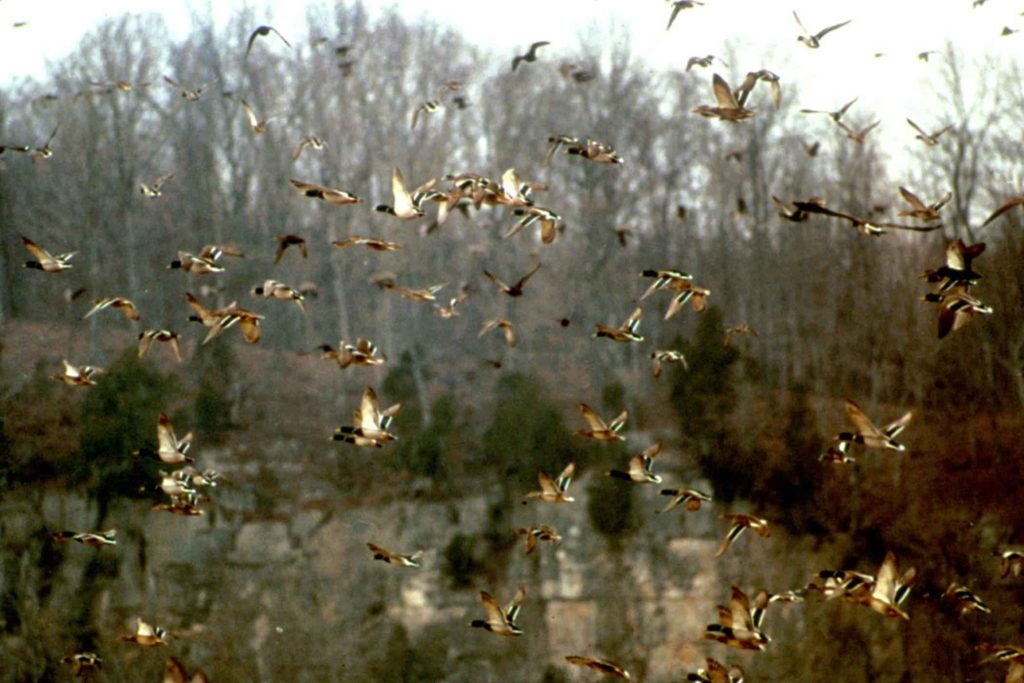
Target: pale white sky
[762, 32]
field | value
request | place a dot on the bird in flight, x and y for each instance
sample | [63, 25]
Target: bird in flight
[813, 40]
[530, 55]
[263, 31]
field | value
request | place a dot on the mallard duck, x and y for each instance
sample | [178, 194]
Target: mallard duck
[677, 7]
[929, 139]
[1011, 562]
[640, 467]
[406, 206]
[225, 318]
[331, 195]
[736, 627]
[772, 79]
[174, 672]
[364, 352]
[864, 226]
[170, 449]
[78, 375]
[957, 307]
[716, 673]
[550, 222]
[429, 106]
[1012, 654]
[888, 591]
[556, 141]
[599, 429]
[368, 242]
[595, 151]
[156, 188]
[199, 265]
[395, 558]
[920, 210]
[728, 109]
[147, 338]
[626, 332]
[538, 533]
[836, 453]
[146, 635]
[957, 268]
[115, 302]
[185, 505]
[701, 61]
[692, 498]
[257, 125]
[83, 663]
[961, 600]
[272, 289]
[530, 55]
[553, 491]
[424, 294]
[44, 261]
[262, 32]
[659, 358]
[857, 136]
[187, 93]
[311, 141]
[867, 434]
[500, 621]
[196, 478]
[93, 539]
[285, 241]
[505, 326]
[370, 429]
[1006, 206]
[664, 279]
[836, 115]
[604, 666]
[513, 290]
[813, 40]
[740, 522]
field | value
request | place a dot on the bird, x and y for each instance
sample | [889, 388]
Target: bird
[598, 428]
[83, 663]
[677, 7]
[836, 454]
[272, 289]
[505, 326]
[78, 375]
[604, 666]
[396, 559]
[691, 498]
[548, 221]
[716, 673]
[857, 136]
[957, 308]
[363, 352]
[44, 261]
[406, 205]
[188, 94]
[146, 635]
[422, 294]
[701, 61]
[737, 627]
[1006, 206]
[530, 55]
[175, 672]
[116, 303]
[311, 141]
[184, 505]
[1007, 31]
[870, 436]
[263, 31]
[553, 491]
[331, 195]
[147, 338]
[728, 109]
[626, 332]
[640, 467]
[92, 539]
[219, 320]
[813, 40]
[864, 226]
[887, 592]
[753, 77]
[513, 290]
[925, 54]
[812, 149]
[680, 283]
[739, 523]
[370, 428]
[206, 261]
[368, 242]
[170, 449]
[659, 358]
[538, 533]
[155, 190]
[285, 241]
[1011, 562]
[929, 139]
[592, 150]
[924, 212]
[257, 125]
[836, 115]
[500, 621]
[961, 600]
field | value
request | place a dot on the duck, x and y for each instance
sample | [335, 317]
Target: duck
[429, 106]
[44, 261]
[1003, 208]
[962, 600]
[272, 289]
[716, 673]
[188, 94]
[690, 498]
[604, 666]
[92, 539]
[170, 449]
[888, 591]
[740, 522]
[285, 241]
[147, 338]
[146, 635]
[155, 189]
[175, 672]
[836, 115]
[930, 139]
[736, 627]
[500, 621]
[924, 212]
[513, 290]
[640, 467]
[368, 242]
[83, 663]
[857, 136]
[331, 195]
[666, 356]
[1011, 562]
[191, 263]
[114, 302]
[813, 40]
[816, 205]
[370, 429]
[78, 375]
[363, 352]
[530, 55]
[870, 436]
[221, 319]
[553, 491]
[592, 150]
[185, 505]
[728, 109]
[701, 61]
[396, 559]
[599, 429]
[664, 279]
[957, 308]
[771, 78]
[311, 141]
[505, 326]
[423, 294]
[626, 332]
[407, 206]
[957, 268]
[538, 533]
[257, 125]
[677, 7]
[550, 223]
[262, 32]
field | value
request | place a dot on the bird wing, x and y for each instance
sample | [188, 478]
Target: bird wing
[403, 200]
[523, 279]
[860, 420]
[174, 672]
[912, 199]
[823, 32]
[1009, 204]
[280, 36]
[495, 615]
[733, 534]
[739, 607]
[895, 427]
[253, 121]
[595, 422]
[801, 24]
[512, 611]
[41, 254]
[723, 93]
[885, 582]
[917, 128]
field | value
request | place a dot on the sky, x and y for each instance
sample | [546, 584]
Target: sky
[761, 33]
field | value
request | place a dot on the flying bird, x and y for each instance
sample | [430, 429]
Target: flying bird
[604, 666]
[599, 429]
[44, 261]
[285, 241]
[677, 7]
[513, 290]
[930, 139]
[740, 522]
[118, 303]
[262, 32]
[729, 108]
[155, 190]
[396, 559]
[530, 55]
[331, 195]
[147, 338]
[553, 490]
[500, 621]
[836, 115]
[813, 40]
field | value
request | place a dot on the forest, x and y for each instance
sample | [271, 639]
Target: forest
[274, 582]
